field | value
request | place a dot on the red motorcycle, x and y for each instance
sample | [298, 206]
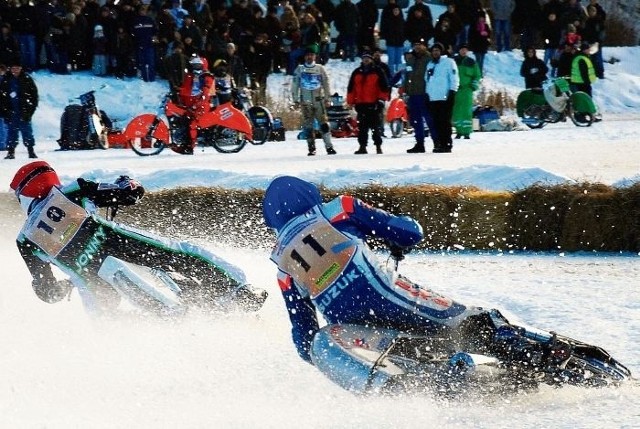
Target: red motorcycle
[225, 128]
[398, 117]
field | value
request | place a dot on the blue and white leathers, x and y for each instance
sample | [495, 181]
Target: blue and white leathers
[325, 265]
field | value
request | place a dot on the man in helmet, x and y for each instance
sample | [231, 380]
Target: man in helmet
[583, 73]
[195, 94]
[63, 228]
[325, 265]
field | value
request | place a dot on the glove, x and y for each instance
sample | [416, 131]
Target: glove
[51, 290]
[136, 190]
[451, 96]
[398, 252]
[380, 105]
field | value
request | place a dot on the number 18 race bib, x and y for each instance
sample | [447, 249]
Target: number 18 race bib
[54, 222]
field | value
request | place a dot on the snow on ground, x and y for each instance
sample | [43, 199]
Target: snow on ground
[62, 370]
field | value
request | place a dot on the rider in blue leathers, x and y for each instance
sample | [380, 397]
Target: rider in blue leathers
[324, 264]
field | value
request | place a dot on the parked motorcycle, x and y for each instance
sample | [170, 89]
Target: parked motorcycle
[555, 102]
[84, 125]
[225, 128]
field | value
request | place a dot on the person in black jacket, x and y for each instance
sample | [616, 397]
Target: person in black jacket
[65, 229]
[533, 70]
[18, 103]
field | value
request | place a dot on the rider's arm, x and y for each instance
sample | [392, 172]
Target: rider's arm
[302, 314]
[44, 284]
[123, 192]
[402, 231]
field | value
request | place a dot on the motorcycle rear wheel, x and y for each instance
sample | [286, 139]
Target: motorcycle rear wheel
[262, 124]
[226, 140]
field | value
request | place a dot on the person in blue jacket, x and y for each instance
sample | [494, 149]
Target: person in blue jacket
[325, 265]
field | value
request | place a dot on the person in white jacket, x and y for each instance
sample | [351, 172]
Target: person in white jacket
[442, 84]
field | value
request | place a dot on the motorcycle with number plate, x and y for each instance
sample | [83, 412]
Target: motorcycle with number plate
[486, 355]
[225, 128]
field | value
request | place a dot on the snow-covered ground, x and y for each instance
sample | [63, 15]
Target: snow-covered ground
[62, 370]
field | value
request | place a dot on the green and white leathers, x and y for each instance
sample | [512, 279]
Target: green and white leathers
[310, 88]
[470, 76]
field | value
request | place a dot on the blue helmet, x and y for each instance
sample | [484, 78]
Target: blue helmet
[288, 197]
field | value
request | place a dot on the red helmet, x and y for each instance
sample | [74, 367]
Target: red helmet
[34, 180]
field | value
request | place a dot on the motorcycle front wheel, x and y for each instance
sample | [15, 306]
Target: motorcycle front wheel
[98, 139]
[581, 119]
[396, 126]
[226, 140]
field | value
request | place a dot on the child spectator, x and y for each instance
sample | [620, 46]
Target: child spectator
[99, 64]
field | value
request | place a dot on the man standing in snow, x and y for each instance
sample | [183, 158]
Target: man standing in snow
[583, 73]
[18, 103]
[367, 90]
[470, 76]
[310, 89]
[442, 84]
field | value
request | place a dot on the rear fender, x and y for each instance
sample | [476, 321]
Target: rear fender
[227, 116]
[528, 98]
[583, 103]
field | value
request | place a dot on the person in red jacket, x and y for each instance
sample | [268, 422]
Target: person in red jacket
[194, 95]
[367, 91]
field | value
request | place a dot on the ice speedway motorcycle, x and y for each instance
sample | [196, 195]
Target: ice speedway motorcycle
[157, 291]
[225, 128]
[554, 103]
[500, 358]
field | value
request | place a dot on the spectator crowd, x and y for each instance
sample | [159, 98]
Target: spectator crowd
[156, 38]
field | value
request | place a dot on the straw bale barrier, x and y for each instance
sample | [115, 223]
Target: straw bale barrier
[581, 217]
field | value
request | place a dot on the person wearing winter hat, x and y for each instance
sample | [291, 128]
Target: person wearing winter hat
[18, 103]
[367, 91]
[583, 73]
[442, 84]
[311, 91]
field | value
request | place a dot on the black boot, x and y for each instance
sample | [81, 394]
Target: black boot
[379, 149]
[361, 151]
[11, 153]
[418, 148]
[32, 153]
